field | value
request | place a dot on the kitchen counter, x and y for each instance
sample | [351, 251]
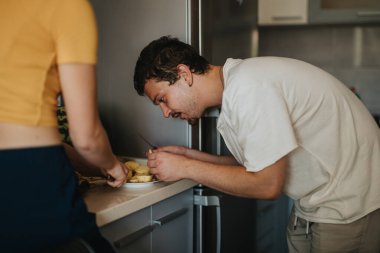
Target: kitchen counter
[110, 204]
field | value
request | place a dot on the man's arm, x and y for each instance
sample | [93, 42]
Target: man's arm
[199, 155]
[232, 179]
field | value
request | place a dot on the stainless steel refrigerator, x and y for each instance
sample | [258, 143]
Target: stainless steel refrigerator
[218, 29]
[229, 30]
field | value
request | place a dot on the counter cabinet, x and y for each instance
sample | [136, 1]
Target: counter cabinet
[166, 226]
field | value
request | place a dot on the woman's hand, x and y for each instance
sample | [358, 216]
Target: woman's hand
[118, 174]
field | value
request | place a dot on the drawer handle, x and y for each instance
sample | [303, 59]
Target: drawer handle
[125, 241]
[121, 243]
[368, 13]
[285, 18]
[170, 217]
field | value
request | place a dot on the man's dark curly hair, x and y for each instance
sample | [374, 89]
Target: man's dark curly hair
[159, 61]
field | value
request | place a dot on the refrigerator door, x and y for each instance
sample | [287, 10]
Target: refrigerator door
[228, 29]
[200, 202]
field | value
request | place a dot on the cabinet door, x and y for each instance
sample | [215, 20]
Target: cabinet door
[348, 11]
[175, 234]
[131, 233]
[282, 12]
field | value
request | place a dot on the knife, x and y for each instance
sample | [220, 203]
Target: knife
[147, 142]
[110, 178]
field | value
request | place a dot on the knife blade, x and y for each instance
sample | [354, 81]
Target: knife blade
[147, 142]
[110, 178]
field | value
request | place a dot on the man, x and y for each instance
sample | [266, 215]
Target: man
[291, 128]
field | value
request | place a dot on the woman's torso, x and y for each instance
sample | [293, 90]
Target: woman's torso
[29, 80]
[38, 37]
[21, 136]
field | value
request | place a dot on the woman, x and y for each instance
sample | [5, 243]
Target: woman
[47, 47]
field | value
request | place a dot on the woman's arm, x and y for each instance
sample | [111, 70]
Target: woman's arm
[86, 131]
[80, 164]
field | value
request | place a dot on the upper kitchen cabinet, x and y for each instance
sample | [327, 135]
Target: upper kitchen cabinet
[347, 11]
[282, 12]
[302, 12]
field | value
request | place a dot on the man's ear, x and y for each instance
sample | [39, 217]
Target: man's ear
[185, 73]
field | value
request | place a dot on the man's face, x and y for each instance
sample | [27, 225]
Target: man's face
[177, 100]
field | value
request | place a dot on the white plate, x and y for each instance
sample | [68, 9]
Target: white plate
[140, 185]
[142, 161]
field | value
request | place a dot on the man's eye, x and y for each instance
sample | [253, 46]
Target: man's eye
[161, 100]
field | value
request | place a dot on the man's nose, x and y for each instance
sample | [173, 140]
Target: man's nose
[165, 110]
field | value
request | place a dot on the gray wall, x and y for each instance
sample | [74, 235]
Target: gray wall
[349, 52]
[125, 28]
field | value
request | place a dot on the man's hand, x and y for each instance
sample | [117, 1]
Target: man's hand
[166, 165]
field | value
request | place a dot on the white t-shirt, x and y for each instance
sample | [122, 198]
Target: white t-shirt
[277, 106]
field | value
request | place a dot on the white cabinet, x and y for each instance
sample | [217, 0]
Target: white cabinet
[161, 228]
[282, 12]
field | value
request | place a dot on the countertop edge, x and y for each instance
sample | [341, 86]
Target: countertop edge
[109, 215]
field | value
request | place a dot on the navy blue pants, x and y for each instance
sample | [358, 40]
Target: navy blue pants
[40, 207]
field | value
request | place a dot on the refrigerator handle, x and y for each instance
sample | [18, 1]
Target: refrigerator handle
[200, 28]
[200, 200]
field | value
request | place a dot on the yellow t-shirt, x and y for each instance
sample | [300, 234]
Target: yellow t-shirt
[35, 36]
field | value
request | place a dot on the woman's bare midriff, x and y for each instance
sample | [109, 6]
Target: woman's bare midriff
[22, 136]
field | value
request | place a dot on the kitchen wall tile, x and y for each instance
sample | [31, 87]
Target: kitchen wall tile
[371, 48]
[366, 82]
[343, 47]
[310, 45]
[349, 52]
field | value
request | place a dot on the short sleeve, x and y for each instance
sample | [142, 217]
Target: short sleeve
[75, 32]
[263, 127]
